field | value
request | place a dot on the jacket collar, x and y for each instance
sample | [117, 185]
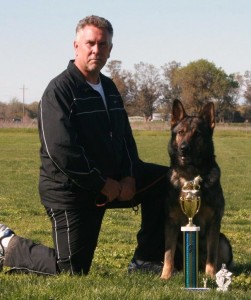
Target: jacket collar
[78, 76]
[82, 83]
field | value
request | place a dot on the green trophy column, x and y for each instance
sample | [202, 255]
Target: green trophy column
[190, 255]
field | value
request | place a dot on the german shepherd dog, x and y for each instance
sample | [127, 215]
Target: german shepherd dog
[191, 153]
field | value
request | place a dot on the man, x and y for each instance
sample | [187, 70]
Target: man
[89, 162]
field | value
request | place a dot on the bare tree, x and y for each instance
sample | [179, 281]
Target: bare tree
[114, 68]
[14, 109]
[247, 94]
[32, 110]
[3, 107]
[169, 91]
[247, 84]
[125, 83]
[147, 78]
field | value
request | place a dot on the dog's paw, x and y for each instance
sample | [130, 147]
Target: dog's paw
[166, 272]
[165, 276]
[210, 270]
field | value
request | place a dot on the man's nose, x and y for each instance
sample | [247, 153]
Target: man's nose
[95, 48]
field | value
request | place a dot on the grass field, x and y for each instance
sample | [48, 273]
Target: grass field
[21, 210]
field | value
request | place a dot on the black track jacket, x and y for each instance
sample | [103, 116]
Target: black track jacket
[82, 143]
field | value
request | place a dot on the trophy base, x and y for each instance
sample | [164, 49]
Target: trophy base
[197, 289]
[190, 228]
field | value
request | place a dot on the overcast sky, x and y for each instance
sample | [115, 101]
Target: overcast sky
[37, 36]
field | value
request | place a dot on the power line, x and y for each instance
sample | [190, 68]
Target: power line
[23, 88]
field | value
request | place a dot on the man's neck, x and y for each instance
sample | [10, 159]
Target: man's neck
[92, 77]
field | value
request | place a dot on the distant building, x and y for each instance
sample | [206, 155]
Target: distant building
[157, 117]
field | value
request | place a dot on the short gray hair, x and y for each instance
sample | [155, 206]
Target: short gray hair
[96, 21]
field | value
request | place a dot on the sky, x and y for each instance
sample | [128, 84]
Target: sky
[37, 37]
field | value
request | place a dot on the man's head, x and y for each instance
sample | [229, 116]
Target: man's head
[96, 21]
[92, 45]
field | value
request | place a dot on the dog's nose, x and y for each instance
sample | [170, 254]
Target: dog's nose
[184, 147]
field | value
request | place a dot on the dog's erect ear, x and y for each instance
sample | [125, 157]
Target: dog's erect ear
[208, 114]
[178, 113]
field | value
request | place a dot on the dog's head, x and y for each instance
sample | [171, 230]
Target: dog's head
[191, 142]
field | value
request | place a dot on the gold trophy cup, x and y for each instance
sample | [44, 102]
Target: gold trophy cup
[190, 199]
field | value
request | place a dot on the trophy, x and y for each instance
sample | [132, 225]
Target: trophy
[223, 279]
[190, 205]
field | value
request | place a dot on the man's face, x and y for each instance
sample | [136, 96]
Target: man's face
[92, 49]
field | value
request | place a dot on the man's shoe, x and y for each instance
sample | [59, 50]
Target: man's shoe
[5, 235]
[5, 232]
[145, 266]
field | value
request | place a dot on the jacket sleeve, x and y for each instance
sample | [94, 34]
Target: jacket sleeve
[59, 140]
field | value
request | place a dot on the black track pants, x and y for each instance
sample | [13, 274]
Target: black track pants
[75, 231]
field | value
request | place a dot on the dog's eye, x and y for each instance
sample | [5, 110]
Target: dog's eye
[197, 133]
[181, 132]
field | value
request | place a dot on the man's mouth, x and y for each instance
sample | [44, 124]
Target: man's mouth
[95, 59]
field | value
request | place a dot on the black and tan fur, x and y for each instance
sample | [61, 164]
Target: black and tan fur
[191, 153]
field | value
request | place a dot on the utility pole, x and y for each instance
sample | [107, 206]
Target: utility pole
[23, 88]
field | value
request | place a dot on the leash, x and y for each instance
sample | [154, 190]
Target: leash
[101, 199]
[135, 207]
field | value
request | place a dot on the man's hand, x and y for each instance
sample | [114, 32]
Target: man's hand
[128, 188]
[111, 189]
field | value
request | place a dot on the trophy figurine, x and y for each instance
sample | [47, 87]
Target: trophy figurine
[190, 205]
[190, 199]
[223, 279]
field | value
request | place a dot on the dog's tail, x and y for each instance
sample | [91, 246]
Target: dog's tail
[225, 253]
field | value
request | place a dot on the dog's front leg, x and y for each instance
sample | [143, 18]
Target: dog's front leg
[212, 249]
[171, 236]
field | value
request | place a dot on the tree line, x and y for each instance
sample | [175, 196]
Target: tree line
[16, 111]
[147, 90]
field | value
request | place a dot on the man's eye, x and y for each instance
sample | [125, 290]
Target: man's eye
[103, 45]
[89, 43]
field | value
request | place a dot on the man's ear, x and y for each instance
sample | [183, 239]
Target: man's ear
[75, 46]
[110, 50]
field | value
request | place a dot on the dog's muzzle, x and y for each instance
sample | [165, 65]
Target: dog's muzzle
[184, 152]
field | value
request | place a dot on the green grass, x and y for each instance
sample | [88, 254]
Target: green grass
[108, 279]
